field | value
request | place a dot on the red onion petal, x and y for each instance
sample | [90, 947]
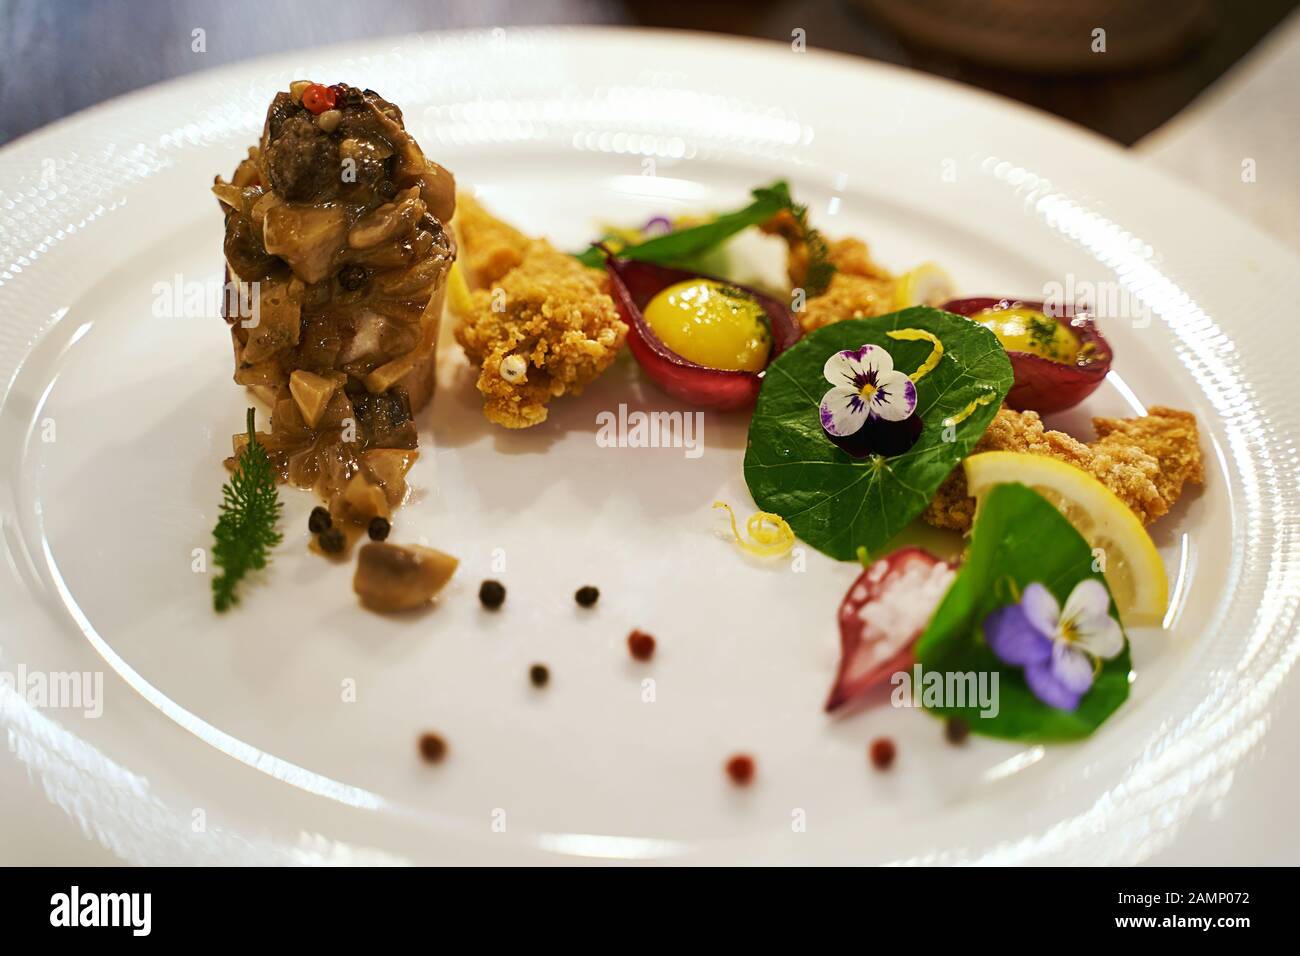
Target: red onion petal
[633, 284]
[913, 581]
[1040, 383]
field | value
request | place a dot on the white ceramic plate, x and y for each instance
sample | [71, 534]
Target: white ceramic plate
[228, 739]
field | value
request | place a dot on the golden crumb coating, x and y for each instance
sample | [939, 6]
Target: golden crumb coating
[550, 320]
[860, 288]
[1167, 435]
[1144, 461]
[848, 297]
[489, 248]
[852, 257]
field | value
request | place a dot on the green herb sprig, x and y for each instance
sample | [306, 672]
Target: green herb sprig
[246, 528]
[820, 268]
[682, 247]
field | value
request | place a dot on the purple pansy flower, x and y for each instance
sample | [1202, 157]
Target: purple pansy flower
[866, 386]
[1057, 648]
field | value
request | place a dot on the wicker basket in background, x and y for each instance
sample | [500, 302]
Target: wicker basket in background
[1051, 36]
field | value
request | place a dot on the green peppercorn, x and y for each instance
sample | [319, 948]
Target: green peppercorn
[319, 520]
[378, 528]
[332, 541]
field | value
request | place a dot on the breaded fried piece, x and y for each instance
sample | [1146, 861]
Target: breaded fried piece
[1167, 435]
[550, 311]
[852, 257]
[859, 288]
[1144, 461]
[848, 297]
[848, 255]
[489, 247]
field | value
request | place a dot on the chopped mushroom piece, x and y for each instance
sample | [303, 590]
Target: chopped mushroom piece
[363, 500]
[400, 577]
[338, 244]
[312, 392]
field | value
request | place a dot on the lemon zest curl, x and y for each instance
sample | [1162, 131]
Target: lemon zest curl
[770, 536]
[920, 335]
[969, 410]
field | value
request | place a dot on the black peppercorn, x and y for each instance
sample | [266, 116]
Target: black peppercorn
[319, 520]
[332, 540]
[492, 594]
[539, 675]
[956, 730]
[587, 595]
[352, 277]
[432, 748]
[378, 528]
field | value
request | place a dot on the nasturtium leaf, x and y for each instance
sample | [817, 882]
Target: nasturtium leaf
[1018, 538]
[838, 503]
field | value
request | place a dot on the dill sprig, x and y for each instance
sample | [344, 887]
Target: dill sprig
[1042, 333]
[246, 528]
[820, 268]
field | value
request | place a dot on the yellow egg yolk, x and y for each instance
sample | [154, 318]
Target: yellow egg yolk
[1027, 330]
[712, 324]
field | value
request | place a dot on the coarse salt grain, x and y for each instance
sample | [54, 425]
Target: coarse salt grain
[904, 606]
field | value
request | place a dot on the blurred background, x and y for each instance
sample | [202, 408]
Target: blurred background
[1123, 68]
[59, 56]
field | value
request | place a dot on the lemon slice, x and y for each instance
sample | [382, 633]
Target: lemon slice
[458, 298]
[927, 284]
[1132, 564]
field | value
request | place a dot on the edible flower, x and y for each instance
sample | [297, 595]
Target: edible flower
[866, 386]
[1060, 650]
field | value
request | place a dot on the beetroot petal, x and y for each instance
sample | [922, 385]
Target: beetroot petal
[898, 594]
[1041, 384]
[633, 284]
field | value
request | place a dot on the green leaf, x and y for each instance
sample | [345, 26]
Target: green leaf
[685, 247]
[838, 503]
[246, 528]
[1018, 538]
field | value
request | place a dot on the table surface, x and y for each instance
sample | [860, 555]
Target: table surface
[60, 56]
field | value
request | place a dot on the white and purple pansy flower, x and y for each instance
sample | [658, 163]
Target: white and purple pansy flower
[1059, 649]
[865, 386]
